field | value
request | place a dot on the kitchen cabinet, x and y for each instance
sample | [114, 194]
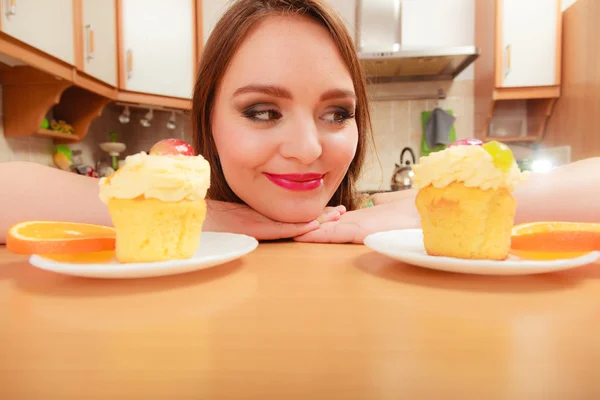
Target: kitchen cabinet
[528, 31]
[46, 25]
[99, 40]
[517, 76]
[157, 49]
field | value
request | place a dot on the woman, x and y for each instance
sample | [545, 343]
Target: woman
[281, 113]
[280, 109]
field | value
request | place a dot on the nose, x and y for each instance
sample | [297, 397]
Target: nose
[302, 142]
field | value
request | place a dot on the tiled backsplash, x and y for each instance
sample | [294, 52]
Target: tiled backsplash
[136, 137]
[397, 124]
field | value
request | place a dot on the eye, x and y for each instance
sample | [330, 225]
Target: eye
[338, 116]
[261, 114]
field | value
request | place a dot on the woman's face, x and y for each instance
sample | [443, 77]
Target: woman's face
[283, 119]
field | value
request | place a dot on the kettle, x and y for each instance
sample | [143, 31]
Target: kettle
[402, 178]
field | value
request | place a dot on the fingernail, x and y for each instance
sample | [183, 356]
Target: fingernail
[313, 224]
[333, 214]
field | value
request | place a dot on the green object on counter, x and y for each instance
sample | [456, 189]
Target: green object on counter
[524, 165]
[115, 161]
[425, 150]
[64, 149]
[45, 124]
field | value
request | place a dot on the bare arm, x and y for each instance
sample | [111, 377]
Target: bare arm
[567, 193]
[33, 192]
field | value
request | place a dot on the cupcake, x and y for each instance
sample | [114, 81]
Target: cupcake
[157, 204]
[465, 200]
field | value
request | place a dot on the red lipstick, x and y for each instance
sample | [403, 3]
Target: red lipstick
[296, 182]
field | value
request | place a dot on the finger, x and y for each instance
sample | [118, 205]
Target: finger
[341, 209]
[330, 214]
[280, 230]
[333, 232]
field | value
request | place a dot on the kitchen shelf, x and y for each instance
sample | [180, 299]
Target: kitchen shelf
[29, 94]
[47, 133]
[531, 117]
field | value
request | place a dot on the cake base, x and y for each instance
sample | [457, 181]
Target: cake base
[464, 222]
[151, 230]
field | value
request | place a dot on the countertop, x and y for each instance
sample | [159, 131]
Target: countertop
[300, 321]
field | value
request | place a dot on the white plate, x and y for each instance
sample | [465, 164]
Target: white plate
[407, 246]
[215, 248]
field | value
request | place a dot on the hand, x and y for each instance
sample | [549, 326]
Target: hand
[239, 218]
[354, 226]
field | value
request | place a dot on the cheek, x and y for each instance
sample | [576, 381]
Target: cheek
[239, 148]
[339, 150]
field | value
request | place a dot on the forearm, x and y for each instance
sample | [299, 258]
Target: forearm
[568, 193]
[34, 192]
[391, 197]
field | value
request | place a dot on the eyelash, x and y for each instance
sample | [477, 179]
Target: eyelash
[343, 116]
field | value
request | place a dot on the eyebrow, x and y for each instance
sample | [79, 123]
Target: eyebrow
[275, 91]
[338, 94]
[278, 91]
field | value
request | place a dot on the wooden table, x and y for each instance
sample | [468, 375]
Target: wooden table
[300, 321]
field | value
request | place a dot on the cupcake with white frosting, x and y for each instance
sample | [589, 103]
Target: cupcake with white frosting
[157, 205]
[465, 200]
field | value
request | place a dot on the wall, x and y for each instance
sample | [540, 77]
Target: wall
[575, 120]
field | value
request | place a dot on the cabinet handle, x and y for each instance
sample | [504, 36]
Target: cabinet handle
[12, 7]
[507, 51]
[129, 63]
[90, 43]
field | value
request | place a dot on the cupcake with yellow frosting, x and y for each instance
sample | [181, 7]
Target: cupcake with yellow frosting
[465, 200]
[156, 202]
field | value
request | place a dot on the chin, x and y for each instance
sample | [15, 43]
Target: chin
[292, 214]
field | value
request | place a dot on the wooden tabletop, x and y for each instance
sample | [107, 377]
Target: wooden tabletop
[300, 321]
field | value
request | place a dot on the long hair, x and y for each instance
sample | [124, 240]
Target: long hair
[226, 38]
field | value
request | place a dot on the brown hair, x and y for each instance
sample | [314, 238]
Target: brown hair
[222, 44]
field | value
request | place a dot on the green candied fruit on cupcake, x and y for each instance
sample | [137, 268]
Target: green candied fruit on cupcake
[501, 154]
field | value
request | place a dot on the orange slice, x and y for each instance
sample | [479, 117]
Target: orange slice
[555, 240]
[50, 237]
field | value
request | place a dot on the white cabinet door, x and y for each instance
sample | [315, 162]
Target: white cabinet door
[529, 33]
[212, 11]
[46, 25]
[158, 45]
[100, 40]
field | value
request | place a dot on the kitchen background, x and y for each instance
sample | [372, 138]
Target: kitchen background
[397, 121]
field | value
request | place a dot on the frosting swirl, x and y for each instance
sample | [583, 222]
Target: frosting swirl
[166, 178]
[471, 165]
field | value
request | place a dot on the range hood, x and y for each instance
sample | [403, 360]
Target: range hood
[386, 58]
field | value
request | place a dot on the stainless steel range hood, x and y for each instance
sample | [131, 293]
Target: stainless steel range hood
[420, 64]
[385, 57]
